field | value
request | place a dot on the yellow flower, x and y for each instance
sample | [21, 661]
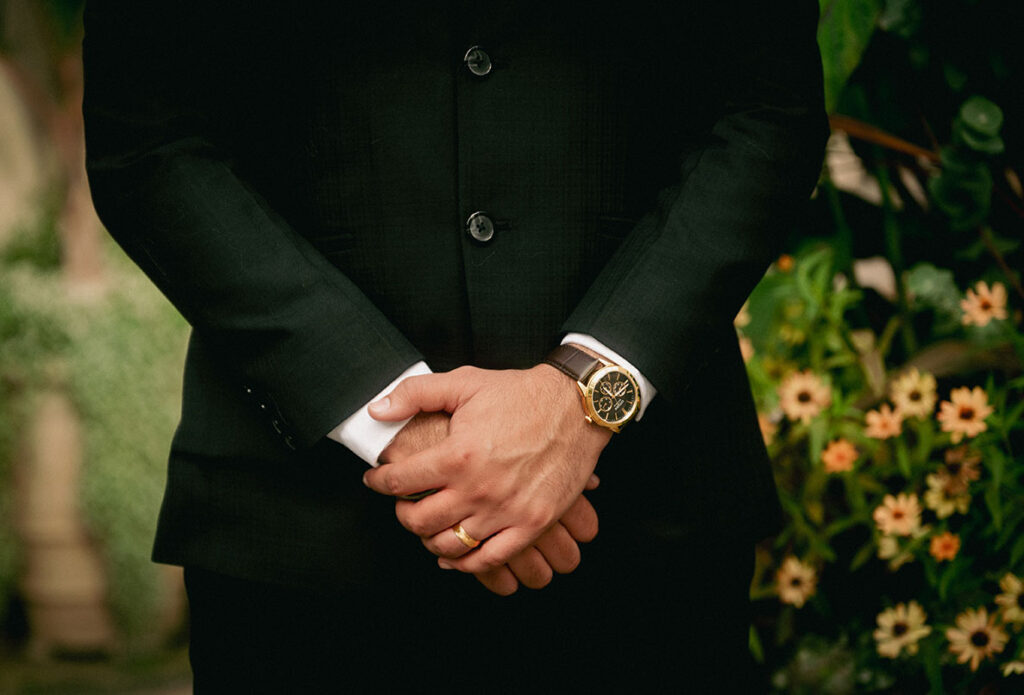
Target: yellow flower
[900, 628]
[913, 393]
[982, 305]
[1012, 667]
[839, 456]
[768, 427]
[802, 395]
[1012, 598]
[975, 637]
[939, 499]
[964, 413]
[945, 546]
[960, 469]
[900, 515]
[883, 423]
[795, 581]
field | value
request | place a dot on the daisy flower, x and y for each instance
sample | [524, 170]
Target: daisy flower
[913, 393]
[900, 628]
[945, 546]
[1012, 598]
[975, 637]
[939, 499]
[802, 395]
[982, 304]
[900, 515]
[964, 413]
[883, 423]
[795, 581]
[839, 456]
[961, 468]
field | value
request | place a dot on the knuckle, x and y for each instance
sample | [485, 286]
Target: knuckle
[392, 482]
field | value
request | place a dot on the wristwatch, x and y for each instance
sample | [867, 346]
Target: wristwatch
[611, 397]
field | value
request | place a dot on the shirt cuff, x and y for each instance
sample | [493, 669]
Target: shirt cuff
[647, 390]
[366, 437]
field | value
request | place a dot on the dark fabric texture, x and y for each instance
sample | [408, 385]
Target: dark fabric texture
[655, 616]
[296, 177]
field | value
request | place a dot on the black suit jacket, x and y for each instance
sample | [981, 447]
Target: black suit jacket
[296, 177]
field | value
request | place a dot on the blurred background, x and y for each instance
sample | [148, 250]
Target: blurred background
[884, 349]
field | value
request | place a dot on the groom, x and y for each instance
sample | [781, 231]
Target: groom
[497, 248]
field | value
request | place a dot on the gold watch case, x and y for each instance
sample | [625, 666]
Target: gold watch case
[611, 397]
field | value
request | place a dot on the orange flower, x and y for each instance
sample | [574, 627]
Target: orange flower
[964, 413]
[900, 515]
[785, 263]
[795, 581]
[839, 456]
[982, 305]
[945, 546]
[883, 423]
[802, 395]
[975, 637]
[913, 393]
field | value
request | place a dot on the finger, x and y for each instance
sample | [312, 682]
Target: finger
[418, 473]
[431, 516]
[581, 520]
[559, 549]
[497, 551]
[427, 392]
[500, 581]
[446, 543]
[531, 569]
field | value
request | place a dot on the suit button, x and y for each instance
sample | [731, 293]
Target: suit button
[478, 62]
[480, 227]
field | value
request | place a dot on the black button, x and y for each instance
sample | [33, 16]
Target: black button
[478, 62]
[480, 227]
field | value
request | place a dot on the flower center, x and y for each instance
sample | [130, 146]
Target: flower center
[897, 514]
[796, 582]
[899, 629]
[1020, 601]
[979, 638]
[914, 395]
[966, 413]
[986, 305]
[953, 468]
[803, 397]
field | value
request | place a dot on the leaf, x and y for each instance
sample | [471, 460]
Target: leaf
[930, 654]
[995, 506]
[754, 644]
[1017, 552]
[982, 116]
[866, 552]
[903, 458]
[844, 31]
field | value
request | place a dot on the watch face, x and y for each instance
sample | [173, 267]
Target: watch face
[612, 396]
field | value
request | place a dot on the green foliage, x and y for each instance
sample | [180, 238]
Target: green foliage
[844, 32]
[121, 359]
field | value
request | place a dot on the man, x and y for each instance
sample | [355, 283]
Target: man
[341, 199]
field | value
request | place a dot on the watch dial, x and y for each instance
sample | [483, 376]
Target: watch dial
[614, 397]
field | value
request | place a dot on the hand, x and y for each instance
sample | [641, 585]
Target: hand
[555, 551]
[517, 456]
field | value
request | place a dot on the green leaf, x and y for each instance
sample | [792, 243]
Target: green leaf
[982, 116]
[1017, 552]
[844, 31]
[931, 655]
[754, 644]
[903, 457]
[994, 505]
[866, 552]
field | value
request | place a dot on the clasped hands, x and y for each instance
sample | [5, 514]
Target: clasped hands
[510, 465]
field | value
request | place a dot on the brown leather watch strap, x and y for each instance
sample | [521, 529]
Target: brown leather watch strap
[572, 361]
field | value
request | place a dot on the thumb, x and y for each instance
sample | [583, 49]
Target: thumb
[592, 482]
[428, 392]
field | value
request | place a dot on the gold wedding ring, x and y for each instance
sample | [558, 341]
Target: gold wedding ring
[467, 540]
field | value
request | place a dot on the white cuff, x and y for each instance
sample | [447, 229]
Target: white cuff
[367, 437]
[647, 390]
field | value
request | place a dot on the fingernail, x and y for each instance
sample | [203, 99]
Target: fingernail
[381, 406]
[445, 565]
[365, 481]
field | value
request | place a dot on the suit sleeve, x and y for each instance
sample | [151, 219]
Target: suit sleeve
[283, 319]
[668, 296]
